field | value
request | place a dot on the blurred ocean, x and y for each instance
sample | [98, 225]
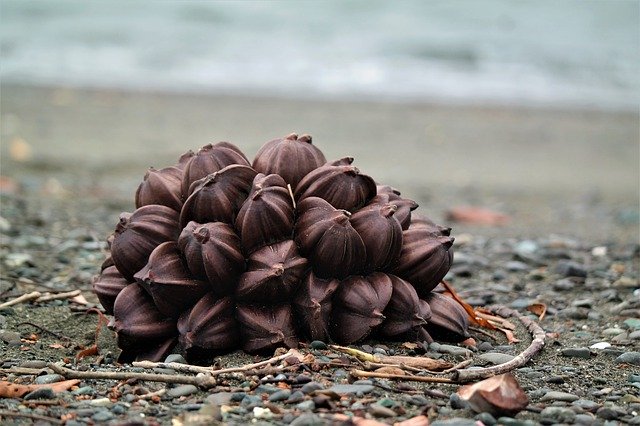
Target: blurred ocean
[544, 52]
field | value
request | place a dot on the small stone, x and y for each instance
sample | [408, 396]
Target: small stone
[220, 398]
[251, 401]
[177, 358]
[600, 345]
[33, 364]
[635, 335]
[351, 389]
[41, 393]
[582, 303]
[101, 402]
[102, 416]
[552, 415]
[308, 406]
[565, 284]
[496, 357]
[417, 400]
[455, 421]
[613, 331]
[632, 358]
[607, 413]
[456, 402]
[262, 413]
[47, 379]
[486, 419]
[576, 353]
[295, 397]
[451, 350]
[302, 379]
[516, 266]
[571, 269]
[182, 390]
[559, 396]
[85, 390]
[318, 345]
[280, 395]
[268, 389]
[307, 388]
[584, 419]
[10, 337]
[377, 410]
[387, 402]
[632, 323]
[634, 378]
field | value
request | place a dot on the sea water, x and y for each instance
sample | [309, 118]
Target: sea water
[543, 52]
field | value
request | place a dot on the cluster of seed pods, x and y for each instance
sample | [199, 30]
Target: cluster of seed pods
[222, 254]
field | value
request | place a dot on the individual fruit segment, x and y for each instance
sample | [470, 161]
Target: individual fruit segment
[449, 320]
[381, 233]
[403, 313]
[265, 328]
[107, 286]
[313, 304]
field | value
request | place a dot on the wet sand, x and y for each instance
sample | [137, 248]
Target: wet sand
[573, 173]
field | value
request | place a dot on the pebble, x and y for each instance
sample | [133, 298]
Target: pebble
[455, 421]
[41, 393]
[280, 395]
[219, 398]
[450, 349]
[10, 337]
[351, 389]
[417, 400]
[584, 419]
[516, 266]
[377, 410]
[553, 415]
[33, 364]
[486, 418]
[311, 386]
[576, 353]
[607, 413]
[456, 402]
[559, 396]
[496, 357]
[614, 331]
[308, 406]
[571, 269]
[85, 390]
[47, 379]
[510, 421]
[177, 358]
[102, 416]
[632, 323]
[318, 345]
[100, 402]
[295, 397]
[632, 358]
[251, 401]
[586, 405]
[565, 284]
[600, 345]
[182, 390]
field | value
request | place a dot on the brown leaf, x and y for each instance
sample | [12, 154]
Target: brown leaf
[56, 346]
[474, 316]
[539, 309]
[13, 390]
[498, 395]
[416, 362]
[477, 216]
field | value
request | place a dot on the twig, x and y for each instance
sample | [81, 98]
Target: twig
[521, 359]
[293, 199]
[24, 298]
[23, 371]
[429, 379]
[30, 416]
[203, 381]
[41, 328]
[209, 370]
[484, 333]
[57, 296]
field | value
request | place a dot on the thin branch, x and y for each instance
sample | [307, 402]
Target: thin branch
[368, 374]
[58, 296]
[30, 416]
[24, 298]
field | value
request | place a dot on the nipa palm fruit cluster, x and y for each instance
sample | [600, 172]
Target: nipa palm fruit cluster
[222, 254]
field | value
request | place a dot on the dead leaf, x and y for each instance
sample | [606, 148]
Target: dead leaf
[477, 216]
[391, 370]
[539, 309]
[409, 345]
[56, 346]
[498, 395]
[474, 317]
[13, 390]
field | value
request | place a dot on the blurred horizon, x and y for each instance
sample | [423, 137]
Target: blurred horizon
[573, 54]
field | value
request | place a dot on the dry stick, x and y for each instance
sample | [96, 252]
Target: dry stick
[521, 359]
[209, 370]
[203, 381]
[30, 416]
[360, 373]
[57, 296]
[41, 328]
[24, 298]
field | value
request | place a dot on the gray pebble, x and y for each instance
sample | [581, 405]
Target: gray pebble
[515, 266]
[584, 419]
[634, 335]
[612, 331]
[577, 353]
[251, 401]
[119, 409]
[377, 410]
[182, 390]
[175, 358]
[48, 379]
[41, 393]
[552, 415]
[451, 350]
[632, 358]
[85, 390]
[318, 345]
[559, 396]
[456, 402]
[565, 284]
[455, 421]
[33, 364]
[268, 389]
[307, 388]
[607, 413]
[220, 398]
[496, 357]
[237, 396]
[486, 418]
[295, 397]
[102, 416]
[485, 346]
[10, 337]
[308, 406]
[308, 419]
[417, 400]
[586, 405]
[571, 269]
[351, 389]
[280, 395]
[634, 378]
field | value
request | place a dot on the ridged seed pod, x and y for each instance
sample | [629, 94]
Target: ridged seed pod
[107, 286]
[344, 187]
[358, 305]
[403, 313]
[449, 321]
[265, 328]
[273, 274]
[312, 306]
[404, 206]
[424, 222]
[162, 187]
[139, 233]
[219, 196]
[266, 217]
[381, 233]
[213, 253]
[209, 328]
[291, 157]
[424, 260]
[168, 281]
[325, 235]
[210, 159]
[143, 332]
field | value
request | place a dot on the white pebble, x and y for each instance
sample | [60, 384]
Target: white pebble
[600, 345]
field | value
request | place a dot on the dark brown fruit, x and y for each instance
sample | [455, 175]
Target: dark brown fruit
[219, 196]
[210, 159]
[449, 321]
[344, 187]
[424, 260]
[213, 253]
[424, 222]
[326, 236]
[138, 233]
[273, 274]
[143, 332]
[404, 206]
[168, 281]
[107, 286]
[162, 187]
[209, 327]
[265, 328]
[266, 217]
[312, 306]
[291, 157]
[403, 312]
[358, 305]
[381, 233]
